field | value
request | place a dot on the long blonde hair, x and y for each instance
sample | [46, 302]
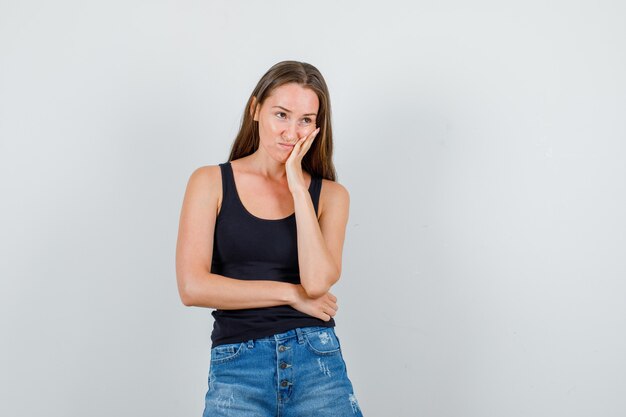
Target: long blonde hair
[318, 159]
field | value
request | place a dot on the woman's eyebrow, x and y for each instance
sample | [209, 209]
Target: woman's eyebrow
[289, 111]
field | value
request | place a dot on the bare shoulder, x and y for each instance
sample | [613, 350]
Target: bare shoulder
[333, 195]
[206, 174]
[205, 184]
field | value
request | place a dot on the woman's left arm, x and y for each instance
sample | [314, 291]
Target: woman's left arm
[320, 243]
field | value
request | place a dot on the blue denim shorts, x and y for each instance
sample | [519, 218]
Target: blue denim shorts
[297, 373]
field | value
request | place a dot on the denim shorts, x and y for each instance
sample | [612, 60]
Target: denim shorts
[297, 373]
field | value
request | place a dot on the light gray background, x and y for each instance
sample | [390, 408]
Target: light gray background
[482, 144]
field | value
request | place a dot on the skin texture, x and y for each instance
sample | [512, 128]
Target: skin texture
[271, 185]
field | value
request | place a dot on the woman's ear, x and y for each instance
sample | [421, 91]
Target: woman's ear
[252, 112]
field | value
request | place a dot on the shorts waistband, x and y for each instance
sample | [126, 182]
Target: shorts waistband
[296, 333]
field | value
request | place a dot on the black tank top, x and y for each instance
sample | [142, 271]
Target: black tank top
[250, 248]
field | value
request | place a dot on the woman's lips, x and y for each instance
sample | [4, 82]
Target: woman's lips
[286, 146]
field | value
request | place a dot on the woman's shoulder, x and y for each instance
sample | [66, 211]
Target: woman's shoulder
[334, 194]
[206, 173]
[206, 180]
[334, 187]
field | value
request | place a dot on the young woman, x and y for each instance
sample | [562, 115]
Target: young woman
[260, 241]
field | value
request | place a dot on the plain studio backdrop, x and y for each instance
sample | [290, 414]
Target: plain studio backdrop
[483, 145]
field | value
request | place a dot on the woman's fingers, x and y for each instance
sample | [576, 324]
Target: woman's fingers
[312, 136]
[308, 140]
[330, 308]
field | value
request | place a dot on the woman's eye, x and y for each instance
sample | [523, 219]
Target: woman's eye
[307, 120]
[279, 114]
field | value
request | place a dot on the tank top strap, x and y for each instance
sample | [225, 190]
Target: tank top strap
[228, 183]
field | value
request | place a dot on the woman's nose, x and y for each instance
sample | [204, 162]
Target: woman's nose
[292, 132]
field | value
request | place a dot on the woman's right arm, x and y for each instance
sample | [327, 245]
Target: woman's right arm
[197, 286]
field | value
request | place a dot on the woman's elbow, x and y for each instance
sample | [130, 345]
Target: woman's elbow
[186, 298]
[185, 292]
[316, 291]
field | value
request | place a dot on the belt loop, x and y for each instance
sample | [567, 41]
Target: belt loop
[250, 344]
[300, 335]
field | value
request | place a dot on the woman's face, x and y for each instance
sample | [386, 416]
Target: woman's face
[288, 114]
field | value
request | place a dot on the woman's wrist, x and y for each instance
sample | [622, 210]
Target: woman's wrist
[292, 293]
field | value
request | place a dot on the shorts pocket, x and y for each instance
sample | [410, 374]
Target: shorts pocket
[226, 352]
[322, 342]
